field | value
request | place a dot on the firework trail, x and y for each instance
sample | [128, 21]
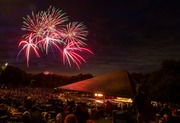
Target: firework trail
[28, 45]
[51, 29]
[72, 53]
[51, 41]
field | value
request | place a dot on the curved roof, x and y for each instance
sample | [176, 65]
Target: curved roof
[117, 83]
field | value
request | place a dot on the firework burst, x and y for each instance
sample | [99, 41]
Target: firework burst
[75, 32]
[51, 29]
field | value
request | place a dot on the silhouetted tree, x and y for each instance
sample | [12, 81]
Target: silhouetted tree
[164, 83]
[13, 75]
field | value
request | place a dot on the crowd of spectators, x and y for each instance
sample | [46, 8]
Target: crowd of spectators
[159, 113]
[167, 113]
[47, 105]
[38, 105]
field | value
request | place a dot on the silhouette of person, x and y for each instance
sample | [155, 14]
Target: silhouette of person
[142, 105]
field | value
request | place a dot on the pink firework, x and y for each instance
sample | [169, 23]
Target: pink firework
[49, 30]
[73, 52]
[28, 45]
[54, 18]
[33, 25]
[50, 40]
[75, 32]
[44, 22]
[53, 21]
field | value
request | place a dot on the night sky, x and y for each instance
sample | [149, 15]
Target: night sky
[123, 34]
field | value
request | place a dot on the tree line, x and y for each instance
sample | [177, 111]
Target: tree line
[13, 76]
[163, 84]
